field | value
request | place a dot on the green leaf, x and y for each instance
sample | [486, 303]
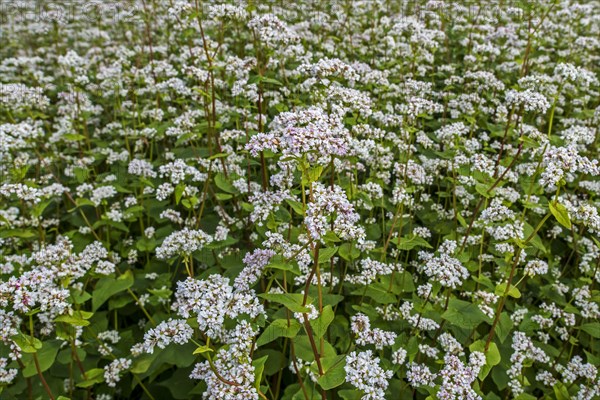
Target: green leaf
[27, 344]
[107, 287]
[377, 292]
[410, 243]
[278, 262]
[259, 367]
[464, 314]
[525, 396]
[271, 81]
[143, 362]
[483, 190]
[504, 327]
[591, 328]
[279, 328]
[296, 206]
[293, 301]
[79, 318]
[223, 184]
[334, 375]
[350, 394]
[561, 392]
[146, 244]
[314, 173]
[46, 356]
[203, 349]
[95, 375]
[20, 233]
[218, 155]
[326, 253]
[512, 292]
[73, 137]
[179, 189]
[348, 252]
[80, 202]
[560, 213]
[223, 196]
[321, 323]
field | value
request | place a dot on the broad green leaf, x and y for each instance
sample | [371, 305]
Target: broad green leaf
[561, 392]
[27, 344]
[203, 349]
[224, 184]
[483, 190]
[314, 173]
[326, 253]
[18, 233]
[464, 314]
[591, 328]
[560, 213]
[278, 262]
[293, 301]
[278, 328]
[377, 292]
[512, 292]
[321, 323]
[334, 375]
[143, 362]
[296, 206]
[46, 357]
[77, 319]
[348, 252]
[259, 367]
[95, 375]
[405, 243]
[107, 287]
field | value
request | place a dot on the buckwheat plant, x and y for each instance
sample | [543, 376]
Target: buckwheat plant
[334, 200]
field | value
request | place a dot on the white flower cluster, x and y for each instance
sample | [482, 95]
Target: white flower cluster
[183, 242]
[304, 132]
[32, 194]
[177, 171]
[576, 368]
[167, 332]
[113, 371]
[234, 366]
[561, 163]
[16, 96]
[445, 269]
[255, 263]
[417, 320]
[7, 375]
[370, 269]
[529, 99]
[273, 31]
[212, 300]
[221, 11]
[364, 373]
[457, 378]
[536, 267]
[420, 375]
[102, 193]
[141, 168]
[361, 327]
[265, 203]
[332, 204]
[523, 350]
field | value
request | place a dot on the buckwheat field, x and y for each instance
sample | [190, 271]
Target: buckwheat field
[328, 200]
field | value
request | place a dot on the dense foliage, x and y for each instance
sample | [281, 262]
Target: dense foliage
[299, 200]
